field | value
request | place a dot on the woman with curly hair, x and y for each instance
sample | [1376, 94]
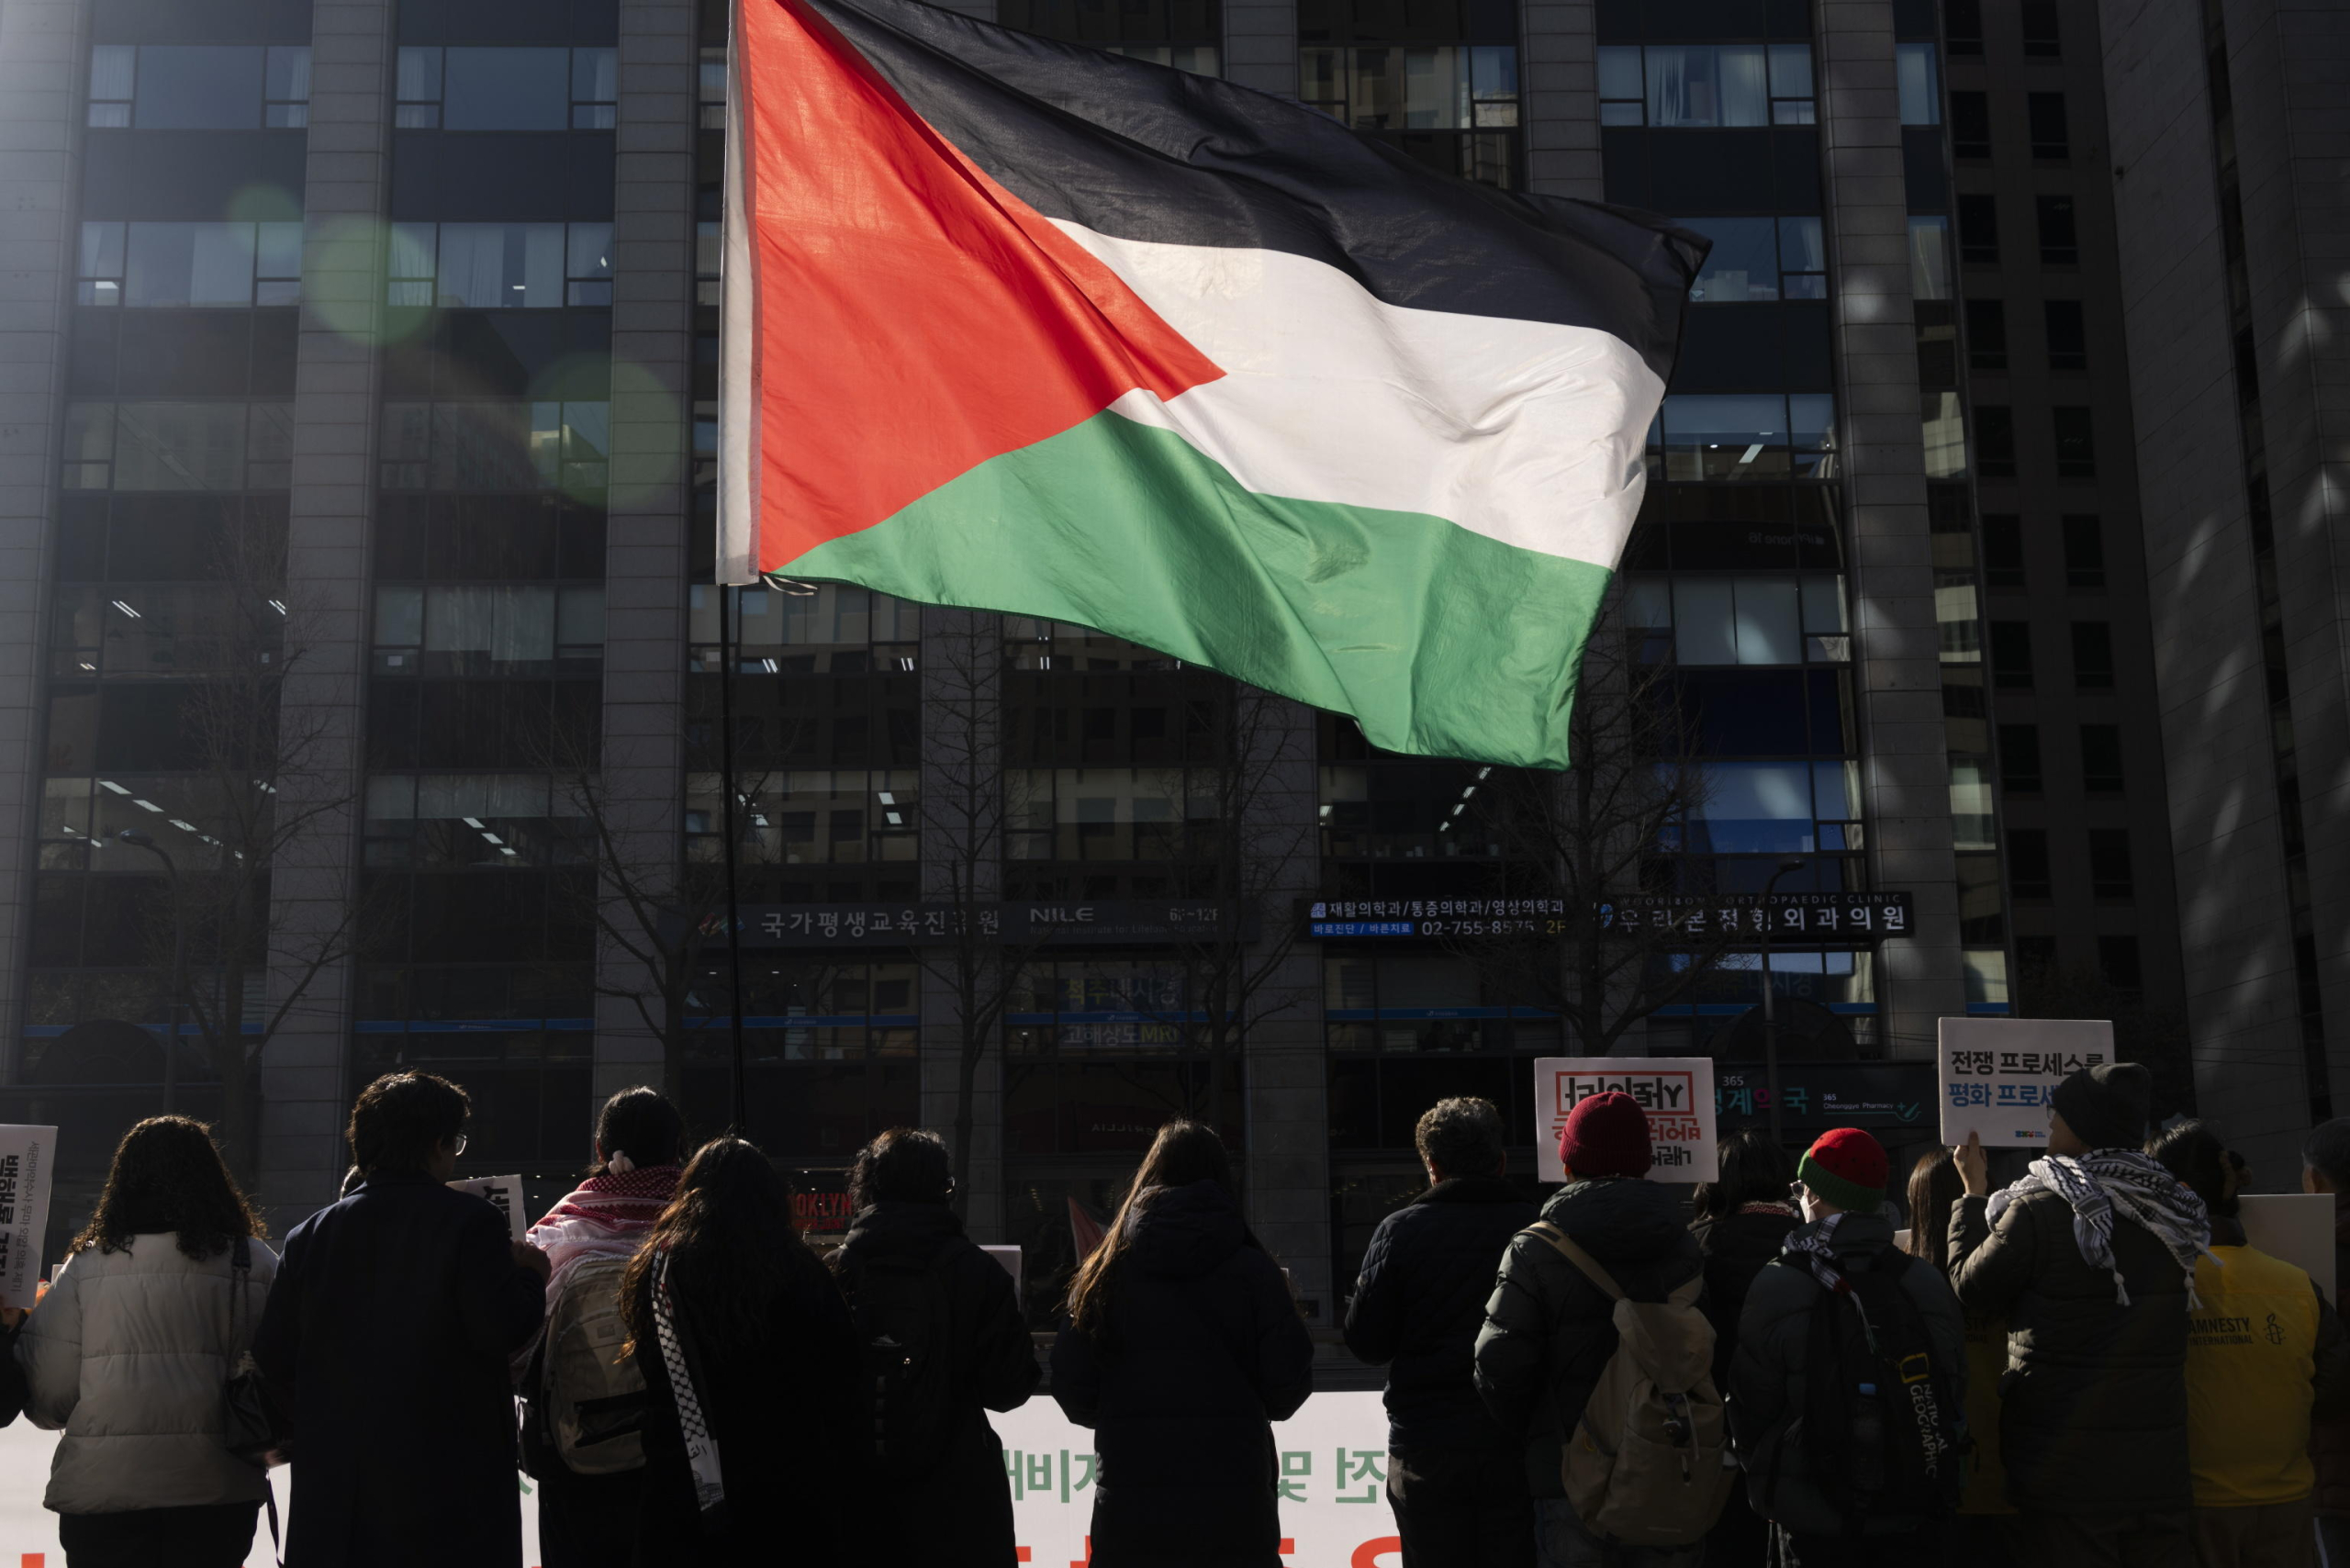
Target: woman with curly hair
[753, 1434]
[152, 1311]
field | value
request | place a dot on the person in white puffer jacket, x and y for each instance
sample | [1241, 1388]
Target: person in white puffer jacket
[129, 1351]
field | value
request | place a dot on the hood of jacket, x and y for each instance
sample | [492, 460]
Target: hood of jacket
[1183, 1232]
[1619, 1218]
[894, 1224]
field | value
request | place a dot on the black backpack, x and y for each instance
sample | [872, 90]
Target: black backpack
[1882, 1430]
[905, 1320]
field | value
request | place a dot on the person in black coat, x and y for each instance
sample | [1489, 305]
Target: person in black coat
[1550, 1331]
[755, 1426]
[1454, 1479]
[1743, 1218]
[1183, 1347]
[386, 1339]
[905, 1254]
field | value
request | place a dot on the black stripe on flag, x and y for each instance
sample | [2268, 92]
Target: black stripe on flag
[1142, 151]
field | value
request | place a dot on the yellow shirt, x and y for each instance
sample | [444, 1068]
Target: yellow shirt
[1987, 1362]
[2251, 1352]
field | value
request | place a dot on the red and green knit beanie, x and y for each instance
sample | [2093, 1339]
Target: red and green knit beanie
[1846, 1168]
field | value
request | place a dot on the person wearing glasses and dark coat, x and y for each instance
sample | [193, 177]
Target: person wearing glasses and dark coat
[387, 1340]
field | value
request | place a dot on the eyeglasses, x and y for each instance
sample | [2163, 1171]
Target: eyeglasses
[1796, 1192]
[460, 1152]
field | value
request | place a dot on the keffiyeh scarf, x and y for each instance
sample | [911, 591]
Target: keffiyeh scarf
[604, 1216]
[2106, 1179]
[1813, 1245]
[678, 1360]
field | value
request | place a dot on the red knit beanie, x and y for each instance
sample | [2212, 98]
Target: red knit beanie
[1847, 1167]
[1606, 1135]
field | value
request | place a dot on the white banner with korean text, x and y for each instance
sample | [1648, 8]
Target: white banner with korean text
[1677, 1092]
[1333, 1484]
[26, 1154]
[1998, 1074]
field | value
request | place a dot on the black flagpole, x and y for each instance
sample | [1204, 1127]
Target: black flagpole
[726, 662]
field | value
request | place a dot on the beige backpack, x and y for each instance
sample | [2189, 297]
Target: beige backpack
[1648, 1463]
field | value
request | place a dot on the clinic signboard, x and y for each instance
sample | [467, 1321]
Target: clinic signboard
[1677, 1093]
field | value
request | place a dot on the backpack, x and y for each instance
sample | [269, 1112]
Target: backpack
[1648, 1461]
[1882, 1433]
[591, 1398]
[905, 1321]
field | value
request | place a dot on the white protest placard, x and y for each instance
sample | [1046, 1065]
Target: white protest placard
[2295, 1227]
[25, 1155]
[1997, 1074]
[504, 1192]
[1677, 1092]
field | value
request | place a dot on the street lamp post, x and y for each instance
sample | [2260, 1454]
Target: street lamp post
[1770, 1009]
[138, 840]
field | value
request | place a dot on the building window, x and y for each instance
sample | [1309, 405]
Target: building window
[2102, 758]
[235, 266]
[1705, 86]
[1970, 811]
[1986, 335]
[2060, 245]
[1978, 229]
[2118, 958]
[1744, 620]
[199, 86]
[1453, 105]
[2084, 553]
[499, 266]
[179, 446]
[2068, 347]
[484, 821]
[2002, 550]
[507, 89]
[1930, 258]
[2075, 443]
[1918, 76]
[1942, 430]
[2041, 36]
[807, 629]
[2045, 115]
[495, 447]
[488, 628]
[1762, 435]
[1970, 124]
[710, 83]
[1962, 20]
[2092, 656]
[809, 816]
[1108, 814]
[2028, 862]
[2011, 655]
[1760, 259]
[2109, 876]
[1199, 59]
[2020, 758]
[1995, 441]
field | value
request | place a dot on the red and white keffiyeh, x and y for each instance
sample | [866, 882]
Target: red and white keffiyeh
[604, 1216]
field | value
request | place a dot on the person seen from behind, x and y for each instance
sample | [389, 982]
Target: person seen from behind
[2090, 1259]
[1983, 1530]
[1183, 1347]
[2264, 1352]
[2325, 1169]
[944, 1342]
[1848, 1397]
[386, 1341]
[1457, 1483]
[753, 1427]
[1743, 1217]
[584, 1402]
[154, 1307]
[1550, 1330]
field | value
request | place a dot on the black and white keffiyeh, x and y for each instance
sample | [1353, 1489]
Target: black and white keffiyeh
[2106, 1179]
[702, 1445]
[1814, 1244]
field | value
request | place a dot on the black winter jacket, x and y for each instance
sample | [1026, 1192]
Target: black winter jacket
[1201, 1351]
[961, 1514]
[386, 1338]
[1736, 1246]
[1549, 1331]
[2093, 1406]
[1420, 1301]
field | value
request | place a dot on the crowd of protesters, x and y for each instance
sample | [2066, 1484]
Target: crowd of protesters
[2087, 1366]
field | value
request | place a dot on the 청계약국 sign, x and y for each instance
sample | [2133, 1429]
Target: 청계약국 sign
[1677, 1092]
[1998, 1075]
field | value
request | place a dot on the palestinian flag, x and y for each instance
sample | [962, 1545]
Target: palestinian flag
[1021, 326]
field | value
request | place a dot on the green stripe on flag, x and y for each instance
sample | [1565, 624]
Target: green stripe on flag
[1439, 640]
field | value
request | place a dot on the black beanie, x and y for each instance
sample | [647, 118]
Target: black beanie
[2107, 1107]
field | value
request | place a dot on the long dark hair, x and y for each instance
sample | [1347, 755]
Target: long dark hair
[168, 1176]
[1935, 1188]
[731, 1245]
[640, 1123]
[1184, 1151]
[1754, 1170]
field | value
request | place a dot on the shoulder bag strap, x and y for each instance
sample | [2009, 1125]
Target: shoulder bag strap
[1560, 1242]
